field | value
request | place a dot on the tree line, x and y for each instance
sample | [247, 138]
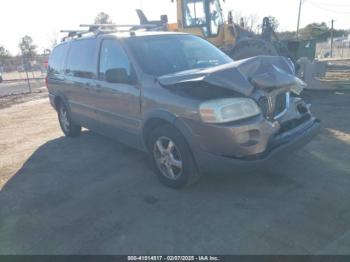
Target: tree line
[29, 50]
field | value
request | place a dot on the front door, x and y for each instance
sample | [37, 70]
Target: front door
[118, 99]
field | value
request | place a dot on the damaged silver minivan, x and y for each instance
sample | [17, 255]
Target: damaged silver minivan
[181, 99]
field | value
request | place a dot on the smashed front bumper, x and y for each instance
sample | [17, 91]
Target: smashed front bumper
[278, 146]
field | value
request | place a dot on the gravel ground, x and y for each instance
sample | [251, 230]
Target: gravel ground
[91, 195]
[20, 87]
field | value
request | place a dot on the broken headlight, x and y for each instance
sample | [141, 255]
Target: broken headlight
[228, 109]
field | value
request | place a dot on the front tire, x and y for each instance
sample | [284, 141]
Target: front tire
[172, 157]
[69, 128]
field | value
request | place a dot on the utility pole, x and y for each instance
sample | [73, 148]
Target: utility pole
[332, 37]
[299, 14]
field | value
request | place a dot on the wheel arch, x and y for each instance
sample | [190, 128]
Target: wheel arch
[61, 98]
[154, 120]
[159, 118]
[57, 101]
[162, 117]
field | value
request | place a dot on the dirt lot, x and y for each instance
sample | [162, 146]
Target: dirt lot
[338, 73]
[22, 75]
[94, 196]
[20, 87]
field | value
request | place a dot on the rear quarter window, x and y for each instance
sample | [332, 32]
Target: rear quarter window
[56, 61]
[81, 61]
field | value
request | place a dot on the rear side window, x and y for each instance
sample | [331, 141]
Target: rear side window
[56, 62]
[81, 59]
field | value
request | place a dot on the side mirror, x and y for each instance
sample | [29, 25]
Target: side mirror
[118, 75]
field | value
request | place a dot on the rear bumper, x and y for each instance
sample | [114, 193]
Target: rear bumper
[281, 146]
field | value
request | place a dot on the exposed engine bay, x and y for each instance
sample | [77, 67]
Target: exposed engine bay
[270, 81]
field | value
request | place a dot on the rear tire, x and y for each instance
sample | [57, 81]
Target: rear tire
[170, 151]
[69, 128]
[252, 47]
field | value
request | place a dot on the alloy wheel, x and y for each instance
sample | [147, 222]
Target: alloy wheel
[168, 158]
[64, 118]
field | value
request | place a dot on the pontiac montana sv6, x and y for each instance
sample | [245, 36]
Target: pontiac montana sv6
[182, 100]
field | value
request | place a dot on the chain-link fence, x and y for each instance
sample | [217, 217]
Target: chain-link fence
[341, 49]
[16, 68]
[20, 75]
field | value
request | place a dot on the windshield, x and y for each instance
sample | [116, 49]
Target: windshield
[166, 54]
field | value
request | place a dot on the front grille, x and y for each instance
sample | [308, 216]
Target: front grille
[281, 104]
[264, 105]
[273, 106]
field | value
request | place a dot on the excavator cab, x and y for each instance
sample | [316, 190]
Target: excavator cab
[201, 17]
[204, 18]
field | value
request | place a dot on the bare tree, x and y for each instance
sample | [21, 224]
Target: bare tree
[236, 15]
[253, 22]
[28, 49]
[274, 22]
[4, 52]
[103, 18]
[250, 22]
[4, 55]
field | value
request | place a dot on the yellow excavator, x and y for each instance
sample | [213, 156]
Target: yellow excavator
[205, 18]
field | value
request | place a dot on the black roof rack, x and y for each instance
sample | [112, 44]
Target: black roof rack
[73, 33]
[109, 28]
[102, 28]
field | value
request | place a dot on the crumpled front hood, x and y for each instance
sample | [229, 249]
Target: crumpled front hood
[243, 76]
